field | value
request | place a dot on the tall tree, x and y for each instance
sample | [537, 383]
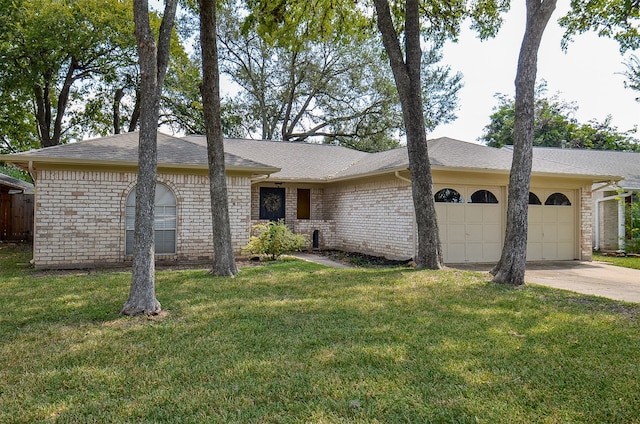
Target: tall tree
[407, 75]
[511, 266]
[330, 88]
[224, 262]
[154, 60]
[415, 19]
[50, 50]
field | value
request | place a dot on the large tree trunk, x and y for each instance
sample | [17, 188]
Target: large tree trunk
[224, 261]
[407, 78]
[511, 267]
[153, 66]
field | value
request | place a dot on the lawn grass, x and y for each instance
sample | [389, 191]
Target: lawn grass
[623, 261]
[294, 342]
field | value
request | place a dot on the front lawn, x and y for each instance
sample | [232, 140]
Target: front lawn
[293, 342]
[623, 261]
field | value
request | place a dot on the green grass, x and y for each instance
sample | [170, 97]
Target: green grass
[623, 261]
[293, 342]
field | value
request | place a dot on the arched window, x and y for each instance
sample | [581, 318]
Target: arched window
[483, 196]
[448, 195]
[164, 223]
[533, 199]
[557, 199]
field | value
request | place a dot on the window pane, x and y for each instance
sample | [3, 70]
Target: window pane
[165, 241]
[533, 199]
[128, 244]
[483, 196]
[557, 199]
[164, 223]
[448, 195]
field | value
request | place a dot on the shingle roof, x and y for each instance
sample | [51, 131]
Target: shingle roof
[123, 149]
[314, 162]
[15, 183]
[606, 162]
[297, 161]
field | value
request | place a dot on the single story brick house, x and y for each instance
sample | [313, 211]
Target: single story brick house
[341, 198]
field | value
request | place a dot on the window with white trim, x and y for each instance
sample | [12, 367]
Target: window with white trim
[164, 223]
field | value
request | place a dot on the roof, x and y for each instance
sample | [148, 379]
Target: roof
[15, 183]
[122, 149]
[303, 161]
[626, 164]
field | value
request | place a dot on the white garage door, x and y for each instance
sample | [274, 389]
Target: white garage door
[551, 225]
[470, 223]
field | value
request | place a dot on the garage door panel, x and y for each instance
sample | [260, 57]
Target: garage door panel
[534, 251]
[492, 234]
[456, 233]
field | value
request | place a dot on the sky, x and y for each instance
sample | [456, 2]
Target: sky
[587, 74]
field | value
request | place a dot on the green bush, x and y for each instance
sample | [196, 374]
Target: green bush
[274, 239]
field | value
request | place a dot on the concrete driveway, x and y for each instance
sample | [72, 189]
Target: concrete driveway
[594, 278]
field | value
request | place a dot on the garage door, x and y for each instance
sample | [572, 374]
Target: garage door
[551, 225]
[470, 223]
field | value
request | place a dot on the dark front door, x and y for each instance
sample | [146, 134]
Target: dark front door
[272, 203]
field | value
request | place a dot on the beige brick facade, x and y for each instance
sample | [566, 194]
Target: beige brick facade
[80, 216]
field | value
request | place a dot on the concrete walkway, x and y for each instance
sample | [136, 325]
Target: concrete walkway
[319, 259]
[592, 278]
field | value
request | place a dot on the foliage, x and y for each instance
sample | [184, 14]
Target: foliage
[54, 53]
[296, 342]
[617, 19]
[632, 262]
[15, 173]
[274, 239]
[633, 74]
[632, 226]
[330, 89]
[555, 126]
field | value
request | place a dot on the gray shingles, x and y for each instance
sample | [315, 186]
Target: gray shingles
[320, 162]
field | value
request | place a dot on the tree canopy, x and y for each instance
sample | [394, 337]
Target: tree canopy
[556, 126]
[52, 51]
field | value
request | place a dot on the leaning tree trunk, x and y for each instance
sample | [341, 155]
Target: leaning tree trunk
[153, 67]
[408, 82]
[511, 267]
[224, 261]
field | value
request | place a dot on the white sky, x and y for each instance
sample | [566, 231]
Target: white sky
[587, 74]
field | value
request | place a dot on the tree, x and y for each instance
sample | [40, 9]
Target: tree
[329, 88]
[414, 19]
[51, 51]
[555, 126]
[224, 262]
[617, 19]
[511, 266]
[154, 60]
[633, 74]
[407, 75]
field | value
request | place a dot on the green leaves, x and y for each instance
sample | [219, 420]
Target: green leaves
[616, 19]
[554, 126]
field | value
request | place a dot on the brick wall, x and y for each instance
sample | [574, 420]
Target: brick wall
[373, 217]
[586, 223]
[80, 216]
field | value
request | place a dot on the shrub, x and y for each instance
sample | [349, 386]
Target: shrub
[274, 239]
